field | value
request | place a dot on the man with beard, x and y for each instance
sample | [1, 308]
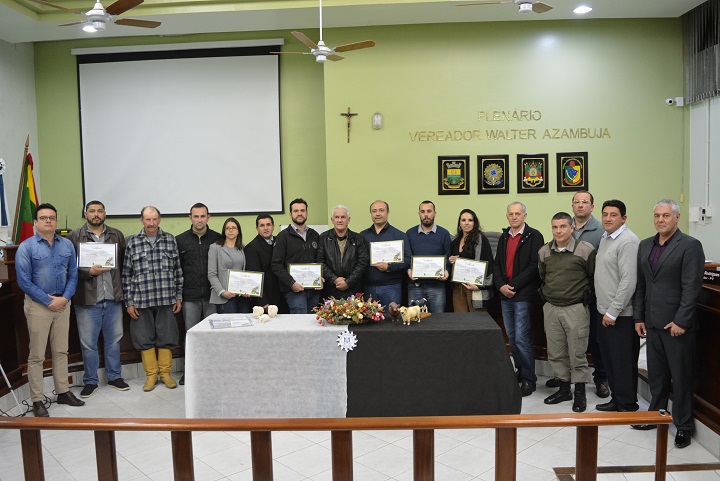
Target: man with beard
[429, 239]
[258, 258]
[98, 301]
[344, 256]
[297, 244]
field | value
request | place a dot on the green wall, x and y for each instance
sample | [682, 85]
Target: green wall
[596, 74]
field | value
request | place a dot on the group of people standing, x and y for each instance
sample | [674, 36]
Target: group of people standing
[602, 289]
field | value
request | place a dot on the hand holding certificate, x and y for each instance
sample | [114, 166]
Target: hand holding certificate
[428, 267]
[307, 275]
[97, 254]
[245, 283]
[468, 271]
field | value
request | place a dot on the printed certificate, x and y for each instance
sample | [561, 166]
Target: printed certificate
[97, 254]
[388, 251]
[245, 282]
[470, 271]
[428, 266]
[307, 275]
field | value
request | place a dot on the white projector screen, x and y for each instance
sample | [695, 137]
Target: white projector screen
[173, 128]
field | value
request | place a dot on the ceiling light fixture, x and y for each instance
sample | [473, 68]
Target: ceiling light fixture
[582, 9]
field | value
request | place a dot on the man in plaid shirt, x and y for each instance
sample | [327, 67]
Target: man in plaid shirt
[152, 280]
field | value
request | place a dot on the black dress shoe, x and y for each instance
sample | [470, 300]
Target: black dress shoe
[683, 438]
[527, 388]
[553, 382]
[602, 389]
[562, 394]
[39, 410]
[580, 402]
[69, 399]
[182, 380]
[644, 427]
[607, 407]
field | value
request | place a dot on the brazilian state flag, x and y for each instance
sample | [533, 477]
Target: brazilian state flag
[28, 203]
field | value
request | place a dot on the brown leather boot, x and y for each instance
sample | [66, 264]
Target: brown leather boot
[150, 364]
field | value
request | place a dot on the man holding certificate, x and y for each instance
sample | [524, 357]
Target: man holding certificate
[294, 261]
[390, 256]
[99, 295]
[430, 246]
[344, 256]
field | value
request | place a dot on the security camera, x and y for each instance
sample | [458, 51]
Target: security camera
[670, 101]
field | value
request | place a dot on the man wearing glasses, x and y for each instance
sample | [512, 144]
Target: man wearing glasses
[47, 274]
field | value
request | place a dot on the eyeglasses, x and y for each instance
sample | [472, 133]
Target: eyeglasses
[45, 218]
[584, 202]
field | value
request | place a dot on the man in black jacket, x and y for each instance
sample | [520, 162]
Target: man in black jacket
[297, 244]
[258, 255]
[193, 245]
[344, 256]
[517, 280]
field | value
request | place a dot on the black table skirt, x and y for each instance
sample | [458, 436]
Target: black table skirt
[446, 365]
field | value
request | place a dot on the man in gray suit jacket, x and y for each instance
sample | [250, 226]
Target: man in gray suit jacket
[670, 277]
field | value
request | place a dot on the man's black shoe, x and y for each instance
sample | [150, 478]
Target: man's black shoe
[607, 407]
[683, 438]
[88, 390]
[39, 410]
[644, 427]
[553, 382]
[580, 403]
[69, 399]
[118, 384]
[527, 388]
[563, 394]
[602, 389]
[182, 380]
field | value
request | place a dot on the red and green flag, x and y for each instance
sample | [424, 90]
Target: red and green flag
[27, 202]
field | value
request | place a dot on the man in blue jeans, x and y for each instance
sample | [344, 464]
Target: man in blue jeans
[517, 280]
[98, 301]
[297, 244]
[428, 239]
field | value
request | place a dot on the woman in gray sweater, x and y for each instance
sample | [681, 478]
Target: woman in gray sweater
[224, 255]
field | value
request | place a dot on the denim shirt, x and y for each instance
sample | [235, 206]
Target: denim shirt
[44, 270]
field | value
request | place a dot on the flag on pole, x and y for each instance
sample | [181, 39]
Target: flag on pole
[4, 222]
[27, 202]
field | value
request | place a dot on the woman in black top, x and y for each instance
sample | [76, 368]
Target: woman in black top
[469, 243]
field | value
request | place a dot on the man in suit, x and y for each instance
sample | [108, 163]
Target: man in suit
[258, 255]
[670, 277]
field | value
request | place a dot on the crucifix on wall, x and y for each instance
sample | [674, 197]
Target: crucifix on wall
[349, 115]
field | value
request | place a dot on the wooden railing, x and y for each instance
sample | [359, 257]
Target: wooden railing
[341, 435]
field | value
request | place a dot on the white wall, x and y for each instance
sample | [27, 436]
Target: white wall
[705, 173]
[18, 116]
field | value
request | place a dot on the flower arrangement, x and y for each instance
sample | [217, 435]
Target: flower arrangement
[353, 310]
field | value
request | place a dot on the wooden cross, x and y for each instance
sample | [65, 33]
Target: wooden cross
[349, 117]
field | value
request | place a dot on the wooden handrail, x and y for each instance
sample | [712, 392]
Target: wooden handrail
[341, 436]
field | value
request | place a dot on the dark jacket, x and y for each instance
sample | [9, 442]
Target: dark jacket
[525, 276]
[86, 292]
[258, 256]
[290, 248]
[194, 261]
[671, 293]
[355, 260]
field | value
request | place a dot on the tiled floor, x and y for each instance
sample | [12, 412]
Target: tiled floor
[379, 455]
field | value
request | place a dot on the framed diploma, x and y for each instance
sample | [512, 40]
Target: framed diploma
[245, 282]
[470, 271]
[389, 251]
[428, 266]
[97, 254]
[307, 275]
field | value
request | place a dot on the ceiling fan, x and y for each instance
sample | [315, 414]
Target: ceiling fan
[524, 6]
[322, 52]
[97, 18]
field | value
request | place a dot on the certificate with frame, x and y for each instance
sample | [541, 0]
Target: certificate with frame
[470, 271]
[307, 275]
[429, 267]
[97, 254]
[387, 251]
[245, 282]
